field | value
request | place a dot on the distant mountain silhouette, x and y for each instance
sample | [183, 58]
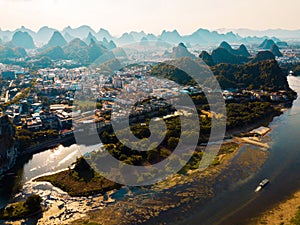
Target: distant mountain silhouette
[171, 36]
[24, 29]
[282, 44]
[242, 50]
[54, 53]
[207, 58]
[267, 44]
[79, 51]
[270, 45]
[201, 37]
[68, 37]
[262, 56]
[111, 45]
[80, 32]
[275, 50]
[23, 39]
[95, 51]
[89, 38]
[12, 53]
[222, 55]
[104, 43]
[44, 34]
[181, 51]
[279, 33]
[126, 38]
[120, 53]
[226, 54]
[57, 40]
[151, 37]
[76, 50]
[137, 35]
[102, 33]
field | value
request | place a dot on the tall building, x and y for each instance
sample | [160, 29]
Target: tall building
[117, 82]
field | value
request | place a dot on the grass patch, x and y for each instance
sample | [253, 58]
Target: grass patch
[21, 210]
[80, 181]
[296, 219]
[90, 223]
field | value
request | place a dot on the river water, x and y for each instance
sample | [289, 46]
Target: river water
[233, 207]
[240, 205]
[50, 161]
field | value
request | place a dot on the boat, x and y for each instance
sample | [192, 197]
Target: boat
[262, 184]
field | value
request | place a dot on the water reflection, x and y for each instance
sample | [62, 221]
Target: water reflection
[50, 161]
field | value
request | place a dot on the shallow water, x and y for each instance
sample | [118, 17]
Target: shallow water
[241, 204]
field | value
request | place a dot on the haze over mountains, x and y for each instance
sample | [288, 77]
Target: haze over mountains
[200, 37]
[279, 33]
[226, 54]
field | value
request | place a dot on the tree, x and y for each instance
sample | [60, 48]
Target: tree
[33, 202]
[172, 142]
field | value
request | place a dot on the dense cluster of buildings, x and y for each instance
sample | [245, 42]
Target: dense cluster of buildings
[61, 99]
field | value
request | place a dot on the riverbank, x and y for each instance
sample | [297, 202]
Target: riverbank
[281, 213]
[175, 195]
[163, 198]
[176, 198]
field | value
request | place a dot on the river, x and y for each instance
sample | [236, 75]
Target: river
[233, 207]
[240, 205]
[50, 161]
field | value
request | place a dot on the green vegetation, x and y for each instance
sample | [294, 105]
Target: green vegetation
[22, 210]
[263, 75]
[171, 70]
[54, 53]
[81, 181]
[79, 51]
[297, 70]
[226, 54]
[27, 138]
[90, 223]
[296, 220]
[11, 52]
[85, 105]
[241, 115]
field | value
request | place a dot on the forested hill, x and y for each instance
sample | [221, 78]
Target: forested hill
[264, 75]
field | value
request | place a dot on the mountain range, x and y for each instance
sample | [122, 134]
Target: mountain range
[279, 33]
[226, 54]
[200, 37]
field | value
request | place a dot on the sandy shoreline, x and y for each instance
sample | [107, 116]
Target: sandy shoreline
[282, 213]
[176, 198]
[170, 196]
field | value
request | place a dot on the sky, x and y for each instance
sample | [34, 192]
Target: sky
[152, 16]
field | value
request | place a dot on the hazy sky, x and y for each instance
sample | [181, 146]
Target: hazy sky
[152, 16]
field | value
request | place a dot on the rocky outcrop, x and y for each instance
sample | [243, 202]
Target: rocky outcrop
[181, 51]
[8, 148]
[275, 50]
[266, 44]
[263, 56]
[57, 40]
[23, 39]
